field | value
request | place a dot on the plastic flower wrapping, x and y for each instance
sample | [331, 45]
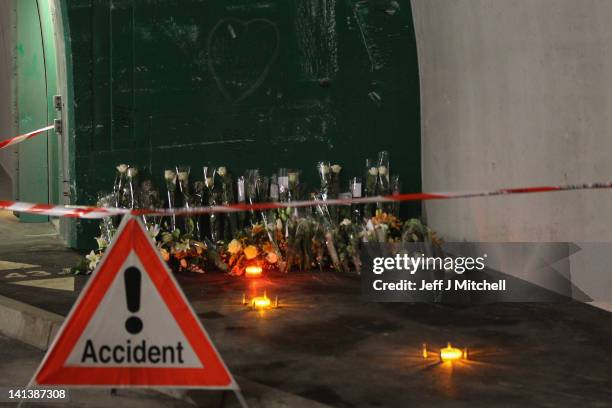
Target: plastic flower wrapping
[319, 238]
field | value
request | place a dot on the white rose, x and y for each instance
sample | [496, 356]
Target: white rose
[373, 171]
[209, 182]
[222, 171]
[345, 222]
[279, 224]
[336, 168]
[169, 175]
[132, 172]
[382, 170]
[183, 175]
[122, 168]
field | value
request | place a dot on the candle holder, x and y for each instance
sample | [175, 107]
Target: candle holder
[260, 302]
[446, 354]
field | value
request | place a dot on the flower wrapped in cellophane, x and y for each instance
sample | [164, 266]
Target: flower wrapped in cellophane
[251, 247]
[322, 236]
[170, 180]
[182, 251]
[348, 240]
[383, 228]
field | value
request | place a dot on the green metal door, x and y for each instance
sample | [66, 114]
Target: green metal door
[36, 85]
[242, 83]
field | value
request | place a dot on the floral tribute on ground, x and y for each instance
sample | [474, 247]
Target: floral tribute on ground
[320, 238]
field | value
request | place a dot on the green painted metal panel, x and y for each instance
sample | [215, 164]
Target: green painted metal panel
[33, 108]
[243, 83]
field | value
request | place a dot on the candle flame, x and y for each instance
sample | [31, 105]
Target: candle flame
[450, 353]
[261, 302]
[253, 271]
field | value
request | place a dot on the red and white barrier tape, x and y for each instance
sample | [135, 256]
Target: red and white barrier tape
[21, 138]
[97, 212]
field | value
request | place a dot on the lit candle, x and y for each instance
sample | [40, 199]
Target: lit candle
[450, 353]
[253, 271]
[261, 302]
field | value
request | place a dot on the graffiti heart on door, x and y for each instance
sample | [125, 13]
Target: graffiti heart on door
[241, 54]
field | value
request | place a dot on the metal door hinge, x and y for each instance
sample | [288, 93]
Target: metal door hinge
[58, 126]
[57, 101]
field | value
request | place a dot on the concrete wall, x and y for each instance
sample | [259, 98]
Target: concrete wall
[514, 93]
[518, 93]
[7, 156]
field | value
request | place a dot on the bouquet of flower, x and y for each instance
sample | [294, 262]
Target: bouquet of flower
[229, 223]
[334, 191]
[170, 179]
[250, 247]
[119, 186]
[250, 185]
[241, 199]
[414, 230]
[383, 228]
[132, 187]
[348, 240]
[149, 198]
[188, 224]
[282, 239]
[209, 221]
[370, 190]
[183, 252]
[300, 251]
[268, 219]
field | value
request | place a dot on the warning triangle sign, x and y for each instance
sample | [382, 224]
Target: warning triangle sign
[133, 327]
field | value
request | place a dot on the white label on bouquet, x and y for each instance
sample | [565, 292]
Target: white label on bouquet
[356, 190]
[274, 191]
[241, 195]
[283, 182]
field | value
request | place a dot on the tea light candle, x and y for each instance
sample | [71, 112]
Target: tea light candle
[253, 271]
[450, 353]
[261, 302]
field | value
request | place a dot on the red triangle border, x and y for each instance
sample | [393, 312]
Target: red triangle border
[133, 236]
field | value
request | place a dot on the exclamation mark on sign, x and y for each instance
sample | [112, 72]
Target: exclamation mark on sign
[132, 279]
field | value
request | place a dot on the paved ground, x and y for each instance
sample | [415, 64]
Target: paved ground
[31, 254]
[324, 344]
[19, 361]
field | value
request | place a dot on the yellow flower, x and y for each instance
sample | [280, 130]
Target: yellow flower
[272, 258]
[164, 254]
[250, 252]
[267, 247]
[234, 247]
